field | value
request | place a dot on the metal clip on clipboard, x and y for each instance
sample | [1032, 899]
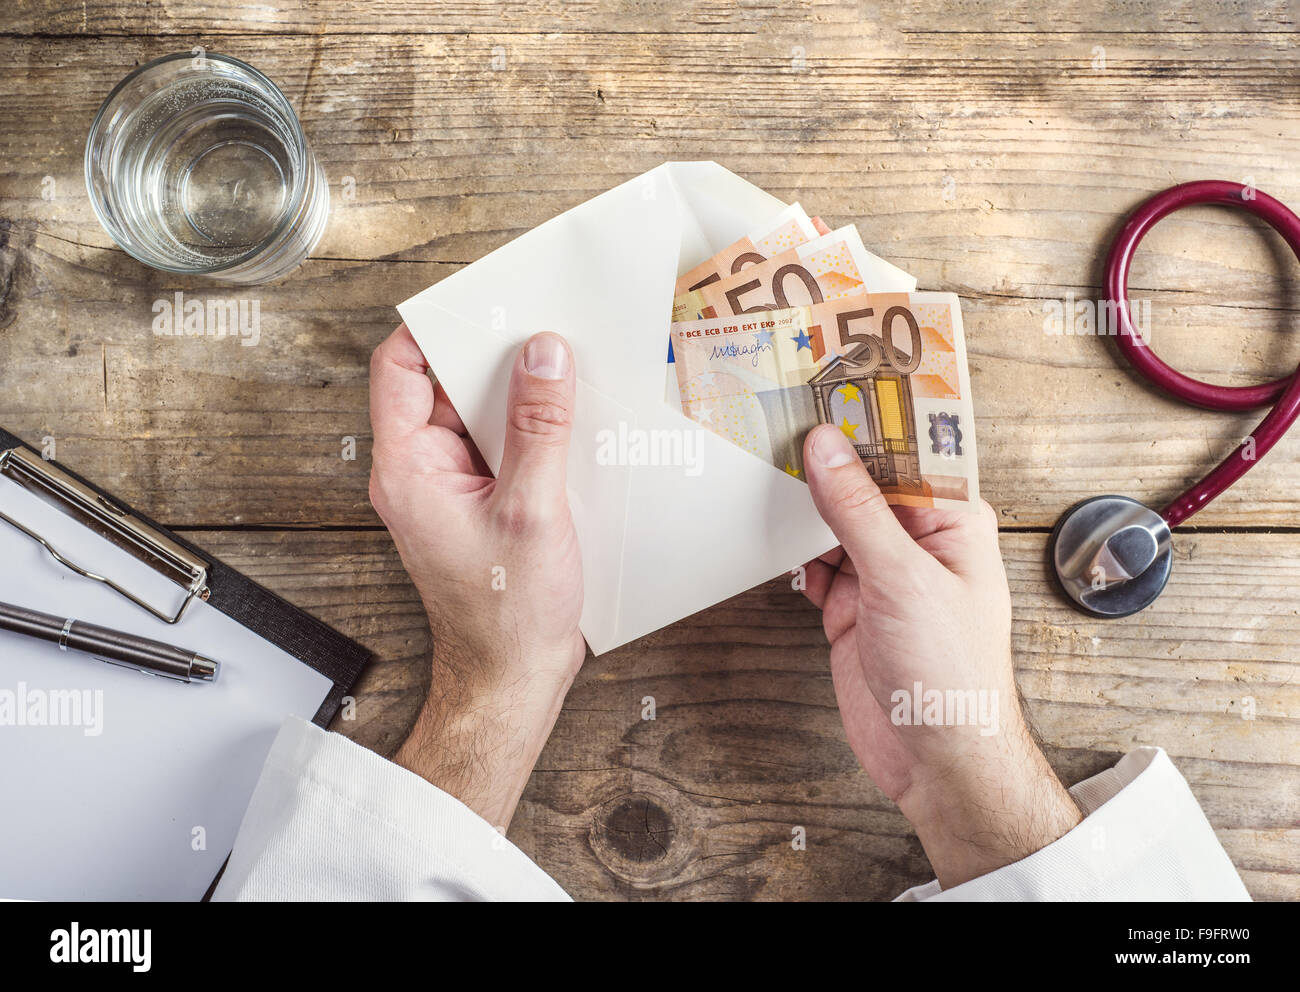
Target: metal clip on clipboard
[112, 523]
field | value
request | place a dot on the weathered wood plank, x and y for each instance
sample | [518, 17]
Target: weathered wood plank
[450, 158]
[202, 430]
[206, 430]
[107, 17]
[747, 742]
[1174, 24]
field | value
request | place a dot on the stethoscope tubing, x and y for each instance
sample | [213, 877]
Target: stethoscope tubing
[1284, 393]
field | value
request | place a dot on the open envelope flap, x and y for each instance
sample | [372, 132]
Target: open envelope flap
[602, 274]
[716, 207]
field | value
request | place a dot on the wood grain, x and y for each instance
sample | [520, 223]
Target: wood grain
[746, 743]
[1178, 23]
[207, 431]
[451, 159]
[992, 149]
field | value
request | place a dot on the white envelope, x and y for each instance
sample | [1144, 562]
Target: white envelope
[659, 542]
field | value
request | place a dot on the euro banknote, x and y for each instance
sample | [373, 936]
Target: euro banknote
[826, 268]
[791, 227]
[887, 369]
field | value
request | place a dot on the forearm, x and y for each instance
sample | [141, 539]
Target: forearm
[984, 809]
[479, 741]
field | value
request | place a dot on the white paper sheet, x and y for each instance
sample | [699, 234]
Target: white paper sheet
[147, 804]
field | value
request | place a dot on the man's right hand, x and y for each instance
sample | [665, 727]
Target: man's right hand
[920, 596]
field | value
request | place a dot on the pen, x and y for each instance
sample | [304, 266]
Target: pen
[112, 646]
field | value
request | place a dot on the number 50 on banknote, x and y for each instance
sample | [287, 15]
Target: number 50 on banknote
[887, 369]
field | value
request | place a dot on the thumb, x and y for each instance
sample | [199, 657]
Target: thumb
[851, 503]
[539, 419]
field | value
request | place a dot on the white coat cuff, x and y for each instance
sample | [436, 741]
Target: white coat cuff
[331, 820]
[1143, 837]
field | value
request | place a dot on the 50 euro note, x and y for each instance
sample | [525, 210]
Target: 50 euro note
[887, 369]
[791, 227]
[827, 268]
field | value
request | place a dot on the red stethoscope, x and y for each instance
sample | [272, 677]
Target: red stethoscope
[1112, 554]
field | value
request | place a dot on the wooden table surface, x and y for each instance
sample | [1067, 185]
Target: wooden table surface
[991, 148]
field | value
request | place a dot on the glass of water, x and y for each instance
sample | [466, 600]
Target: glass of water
[197, 164]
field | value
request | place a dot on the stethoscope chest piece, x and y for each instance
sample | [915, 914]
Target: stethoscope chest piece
[1111, 555]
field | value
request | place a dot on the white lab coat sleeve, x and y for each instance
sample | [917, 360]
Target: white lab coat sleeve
[331, 820]
[1143, 837]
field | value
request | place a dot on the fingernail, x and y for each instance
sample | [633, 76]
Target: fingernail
[832, 448]
[546, 357]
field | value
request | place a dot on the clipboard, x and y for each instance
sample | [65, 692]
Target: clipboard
[143, 800]
[201, 576]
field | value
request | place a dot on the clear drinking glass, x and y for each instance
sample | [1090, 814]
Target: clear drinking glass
[197, 164]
